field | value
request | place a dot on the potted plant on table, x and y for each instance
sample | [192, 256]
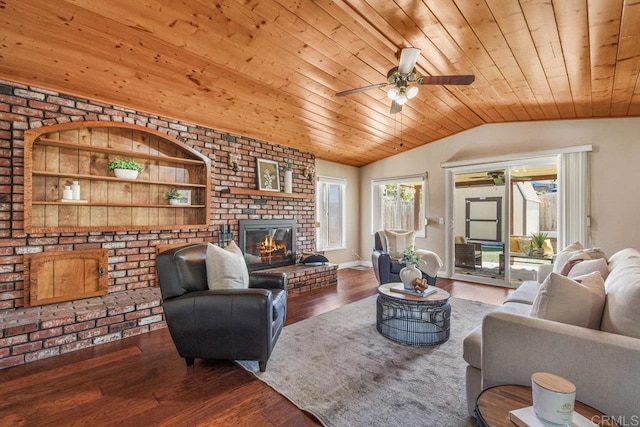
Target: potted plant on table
[538, 240]
[172, 196]
[125, 168]
[411, 272]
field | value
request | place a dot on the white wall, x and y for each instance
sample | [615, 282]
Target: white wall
[615, 180]
[352, 224]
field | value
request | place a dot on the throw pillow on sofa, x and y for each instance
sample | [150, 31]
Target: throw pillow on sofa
[226, 268]
[565, 255]
[572, 262]
[576, 250]
[568, 301]
[589, 266]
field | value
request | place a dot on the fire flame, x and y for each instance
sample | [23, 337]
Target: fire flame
[269, 245]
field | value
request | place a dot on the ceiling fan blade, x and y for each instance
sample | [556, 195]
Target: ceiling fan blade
[446, 80]
[395, 107]
[361, 89]
[408, 58]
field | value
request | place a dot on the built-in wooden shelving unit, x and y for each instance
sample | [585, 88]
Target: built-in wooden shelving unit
[57, 155]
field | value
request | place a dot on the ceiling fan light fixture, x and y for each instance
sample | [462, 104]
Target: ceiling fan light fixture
[403, 75]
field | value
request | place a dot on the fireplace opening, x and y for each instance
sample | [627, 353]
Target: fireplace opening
[268, 243]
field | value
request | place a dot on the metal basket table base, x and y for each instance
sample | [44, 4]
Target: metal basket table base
[418, 323]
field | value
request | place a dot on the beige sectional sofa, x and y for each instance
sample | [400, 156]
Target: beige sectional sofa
[603, 363]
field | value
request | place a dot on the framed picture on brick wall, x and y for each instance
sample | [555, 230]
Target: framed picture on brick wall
[268, 175]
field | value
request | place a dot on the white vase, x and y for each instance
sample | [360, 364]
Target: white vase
[288, 182]
[173, 201]
[126, 173]
[408, 275]
[75, 190]
[67, 193]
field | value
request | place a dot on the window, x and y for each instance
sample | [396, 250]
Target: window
[398, 204]
[330, 235]
[483, 218]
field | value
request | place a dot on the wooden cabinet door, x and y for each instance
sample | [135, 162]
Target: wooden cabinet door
[52, 277]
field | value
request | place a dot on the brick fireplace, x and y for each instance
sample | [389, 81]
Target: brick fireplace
[268, 243]
[132, 304]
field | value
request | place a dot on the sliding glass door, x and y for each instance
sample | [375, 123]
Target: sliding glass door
[480, 204]
[496, 210]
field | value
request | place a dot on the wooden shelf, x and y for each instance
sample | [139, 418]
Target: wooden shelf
[119, 205]
[252, 192]
[116, 179]
[81, 151]
[107, 150]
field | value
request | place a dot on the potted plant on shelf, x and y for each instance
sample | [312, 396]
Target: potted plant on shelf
[538, 240]
[125, 168]
[411, 272]
[172, 196]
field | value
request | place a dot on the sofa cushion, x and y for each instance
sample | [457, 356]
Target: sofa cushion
[472, 348]
[568, 301]
[525, 294]
[398, 241]
[226, 268]
[472, 344]
[621, 313]
[514, 246]
[589, 266]
[396, 267]
[524, 244]
[516, 308]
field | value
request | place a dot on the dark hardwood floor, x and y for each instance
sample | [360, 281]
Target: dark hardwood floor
[141, 380]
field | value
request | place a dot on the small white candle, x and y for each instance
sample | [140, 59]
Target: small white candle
[553, 398]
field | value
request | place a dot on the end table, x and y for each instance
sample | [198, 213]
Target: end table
[493, 406]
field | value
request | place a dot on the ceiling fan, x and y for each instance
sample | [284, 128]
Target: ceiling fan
[404, 74]
[498, 177]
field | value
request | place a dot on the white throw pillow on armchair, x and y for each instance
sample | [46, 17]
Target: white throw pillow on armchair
[398, 241]
[226, 268]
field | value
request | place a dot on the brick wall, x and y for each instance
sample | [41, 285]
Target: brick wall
[25, 334]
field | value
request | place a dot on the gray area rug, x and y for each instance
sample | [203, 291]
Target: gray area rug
[339, 368]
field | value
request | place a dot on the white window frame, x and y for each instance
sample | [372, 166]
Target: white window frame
[322, 231]
[376, 223]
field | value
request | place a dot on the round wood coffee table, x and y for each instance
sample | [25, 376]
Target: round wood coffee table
[493, 406]
[412, 319]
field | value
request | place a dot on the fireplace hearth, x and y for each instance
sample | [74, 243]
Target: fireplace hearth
[268, 243]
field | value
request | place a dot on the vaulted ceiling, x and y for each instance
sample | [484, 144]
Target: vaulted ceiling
[269, 69]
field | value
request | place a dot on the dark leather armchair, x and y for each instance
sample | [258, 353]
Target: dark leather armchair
[233, 324]
[386, 269]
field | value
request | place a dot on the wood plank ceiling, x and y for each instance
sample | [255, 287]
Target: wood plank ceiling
[269, 69]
